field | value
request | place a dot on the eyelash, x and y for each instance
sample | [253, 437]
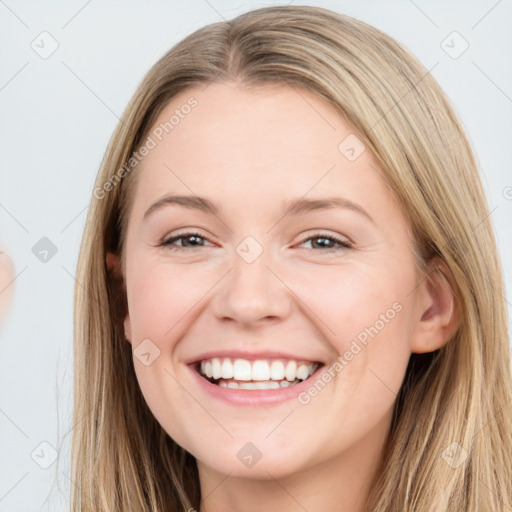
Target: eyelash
[342, 243]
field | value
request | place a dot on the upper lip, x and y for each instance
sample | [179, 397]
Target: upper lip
[251, 356]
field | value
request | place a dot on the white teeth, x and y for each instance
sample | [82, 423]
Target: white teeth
[216, 368]
[259, 385]
[260, 370]
[277, 370]
[302, 372]
[208, 369]
[291, 370]
[242, 369]
[271, 384]
[227, 369]
[270, 374]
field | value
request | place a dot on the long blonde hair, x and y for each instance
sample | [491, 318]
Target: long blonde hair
[455, 400]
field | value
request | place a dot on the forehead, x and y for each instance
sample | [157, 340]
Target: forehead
[229, 120]
[269, 143]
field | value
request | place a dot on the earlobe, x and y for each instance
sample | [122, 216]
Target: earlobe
[438, 310]
[113, 263]
[128, 329]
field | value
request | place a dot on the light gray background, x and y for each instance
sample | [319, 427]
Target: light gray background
[57, 115]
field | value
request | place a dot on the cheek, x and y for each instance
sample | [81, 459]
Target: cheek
[161, 295]
[161, 300]
[346, 300]
[365, 315]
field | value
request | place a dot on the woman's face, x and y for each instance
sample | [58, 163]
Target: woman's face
[286, 247]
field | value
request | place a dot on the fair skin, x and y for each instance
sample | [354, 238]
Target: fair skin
[250, 152]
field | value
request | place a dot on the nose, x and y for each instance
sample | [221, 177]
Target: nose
[252, 293]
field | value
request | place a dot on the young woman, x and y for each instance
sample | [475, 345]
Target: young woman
[289, 292]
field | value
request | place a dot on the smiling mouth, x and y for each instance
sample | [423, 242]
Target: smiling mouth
[258, 374]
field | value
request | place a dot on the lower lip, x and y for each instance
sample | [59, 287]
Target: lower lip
[253, 396]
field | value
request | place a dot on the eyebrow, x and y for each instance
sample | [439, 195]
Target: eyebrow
[294, 207]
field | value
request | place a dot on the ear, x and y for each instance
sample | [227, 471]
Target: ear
[127, 328]
[114, 270]
[113, 264]
[438, 314]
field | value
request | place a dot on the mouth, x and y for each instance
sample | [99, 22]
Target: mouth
[260, 374]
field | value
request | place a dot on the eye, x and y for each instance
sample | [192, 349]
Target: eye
[189, 241]
[325, 239]
[192, 240]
